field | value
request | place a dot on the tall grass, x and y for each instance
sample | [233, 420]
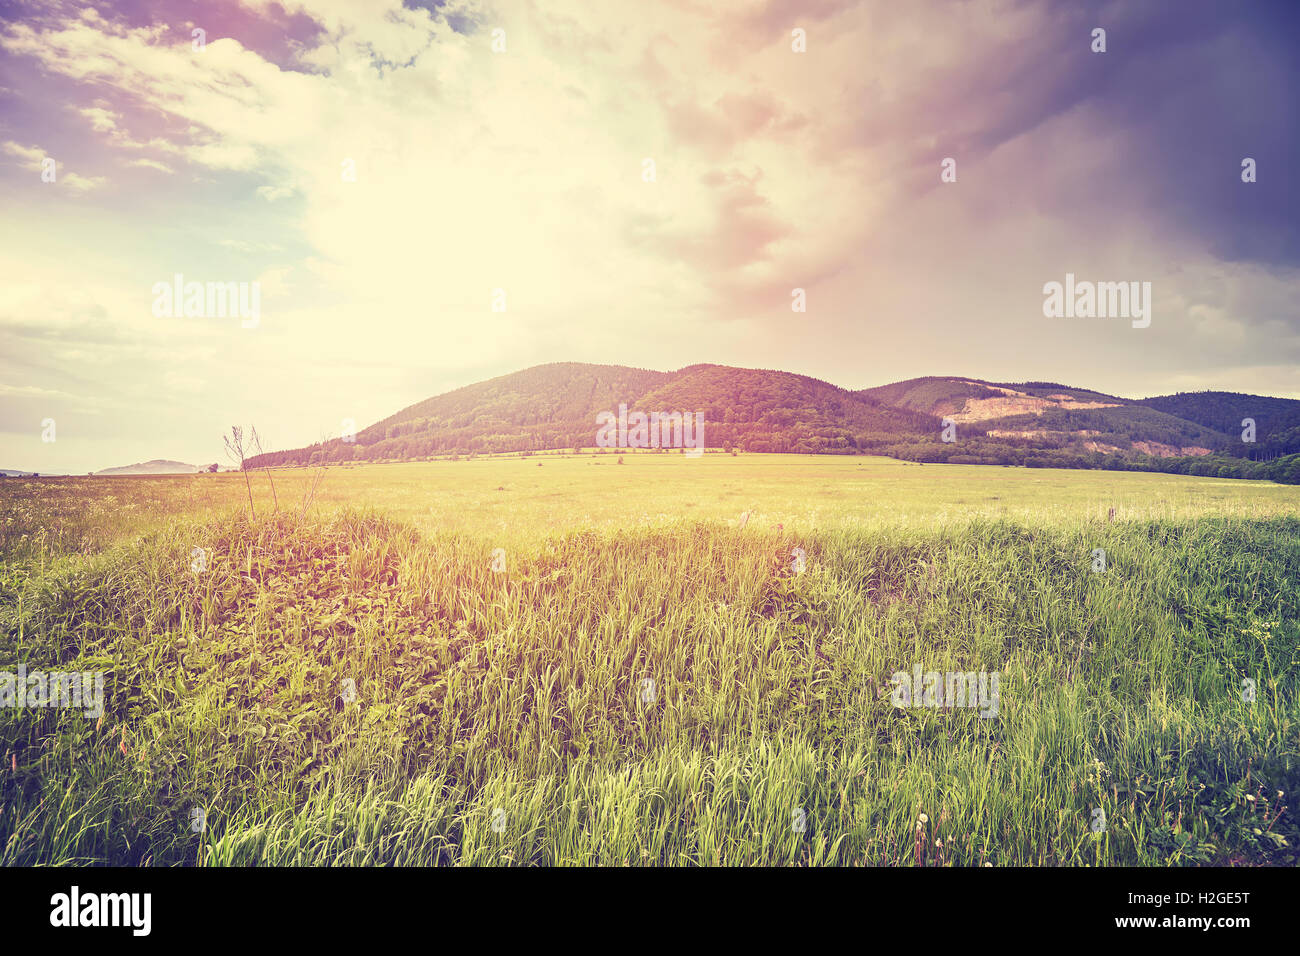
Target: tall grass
[505, 718]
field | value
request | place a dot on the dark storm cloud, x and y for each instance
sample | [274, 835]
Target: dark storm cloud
[1184, 92]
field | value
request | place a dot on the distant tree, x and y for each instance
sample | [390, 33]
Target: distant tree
[211, 469]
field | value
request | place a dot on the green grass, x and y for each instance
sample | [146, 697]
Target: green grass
[517, 697]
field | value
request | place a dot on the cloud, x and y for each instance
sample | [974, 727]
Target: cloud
[522, 171]
[82, 184]
[101, 120]
[151, 164]
[30, 391]
[34, 159]
[248, 246]
[272, 193]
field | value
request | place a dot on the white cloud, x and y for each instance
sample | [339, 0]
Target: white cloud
[523, 171]
[151, 164]
[101, 120]
[272, 193]
[32, 157]
[81, 184]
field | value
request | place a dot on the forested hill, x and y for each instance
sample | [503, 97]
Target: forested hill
[555, 406]
[1276, 420]
[764, 410]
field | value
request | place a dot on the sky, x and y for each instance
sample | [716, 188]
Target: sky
[428, 194]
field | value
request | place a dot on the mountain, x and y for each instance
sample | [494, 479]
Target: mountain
[1277, 420]
[763, 410]
[555, 406]
[159, 466]
[1039, 424]
[13, 473]
[546, 406]
[1058, 415]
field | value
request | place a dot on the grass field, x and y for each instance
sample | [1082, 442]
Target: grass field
[646, 681]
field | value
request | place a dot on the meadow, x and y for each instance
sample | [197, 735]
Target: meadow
[564, 659]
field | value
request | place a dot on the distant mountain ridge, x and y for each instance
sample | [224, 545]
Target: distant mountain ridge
[555, 406]
[1276, 420]
[1060, 416]
[158, 466]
